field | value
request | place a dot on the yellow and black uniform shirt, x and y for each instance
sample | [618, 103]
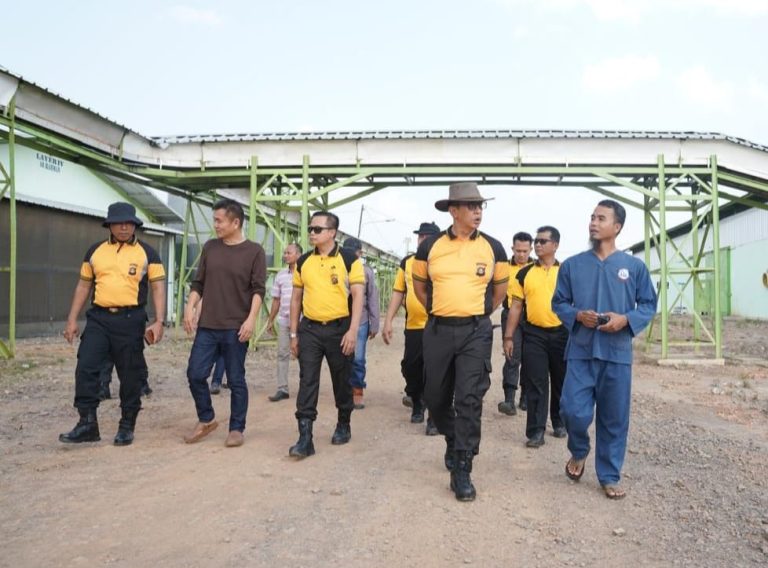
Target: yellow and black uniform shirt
[121, 272]
[513, 270]
[415, 314]
[535, 285]
[460, 273]
[326, 281]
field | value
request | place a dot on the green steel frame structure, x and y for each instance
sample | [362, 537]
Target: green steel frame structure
[274, 191]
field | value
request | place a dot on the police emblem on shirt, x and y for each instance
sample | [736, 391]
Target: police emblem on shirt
[480, 271]
[334, 279]
[623, 274]
[132, 269]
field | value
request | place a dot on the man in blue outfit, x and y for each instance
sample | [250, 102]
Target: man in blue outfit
[605, 298]
[369, 325]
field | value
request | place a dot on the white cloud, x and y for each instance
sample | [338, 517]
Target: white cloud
[699, 87]
[190, 15]
[619, 73]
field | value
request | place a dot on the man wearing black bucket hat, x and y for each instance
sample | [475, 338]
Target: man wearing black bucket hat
[460, 275]
[119, 271]
[412, 365]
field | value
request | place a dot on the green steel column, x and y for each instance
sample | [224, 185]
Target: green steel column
[280, 238]
[13, 236]
[252, 200]
[717, 314]
[182, 266]
[664, 269]
[695, 261]
[647, 253]
[304, 221]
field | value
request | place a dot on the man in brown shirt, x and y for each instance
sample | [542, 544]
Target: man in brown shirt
[231, 279]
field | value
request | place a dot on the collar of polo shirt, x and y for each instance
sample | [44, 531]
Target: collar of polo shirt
[131, 241]
[333, 252]
[452, 236]
[537, 262]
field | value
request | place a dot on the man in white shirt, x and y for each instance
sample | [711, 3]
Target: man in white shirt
[282, 288]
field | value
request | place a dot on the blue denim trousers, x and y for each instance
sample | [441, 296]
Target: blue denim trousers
[357, 374]
[594, 387]
[208, 346]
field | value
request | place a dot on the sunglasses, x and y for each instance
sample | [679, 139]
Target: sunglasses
[317, 230]
[542, 241]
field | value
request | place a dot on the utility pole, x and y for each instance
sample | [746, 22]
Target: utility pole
[360, 221]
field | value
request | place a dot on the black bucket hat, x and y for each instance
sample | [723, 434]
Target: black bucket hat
[352, 244]
[122, 212]
[427, 229]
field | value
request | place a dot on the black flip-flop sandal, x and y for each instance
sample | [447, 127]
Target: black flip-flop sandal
[575, 476]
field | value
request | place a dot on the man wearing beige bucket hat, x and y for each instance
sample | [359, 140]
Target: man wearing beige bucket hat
[460, 275]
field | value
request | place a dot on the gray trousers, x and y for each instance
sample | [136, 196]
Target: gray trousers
[283, 356]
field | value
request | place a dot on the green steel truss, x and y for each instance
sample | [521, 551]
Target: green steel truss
[274, 192]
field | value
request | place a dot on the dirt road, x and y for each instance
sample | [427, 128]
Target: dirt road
[695, 471]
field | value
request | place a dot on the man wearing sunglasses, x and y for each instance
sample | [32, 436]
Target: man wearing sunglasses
[605, 297]
[328, 287]
[544, 337]
[460, 275]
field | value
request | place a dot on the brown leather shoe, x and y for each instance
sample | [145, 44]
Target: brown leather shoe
[357, 398]
[202, 429]
[234, 439]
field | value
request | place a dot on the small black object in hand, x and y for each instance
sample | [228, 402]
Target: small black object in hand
[603, 319]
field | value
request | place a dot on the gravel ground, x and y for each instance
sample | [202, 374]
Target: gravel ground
[695, 475]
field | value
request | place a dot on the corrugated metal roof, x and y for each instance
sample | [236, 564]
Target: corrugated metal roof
[453, 134]
[74, 208]
[71, 102]
[147, 201]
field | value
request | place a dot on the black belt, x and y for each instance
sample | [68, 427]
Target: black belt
[555, 329]
[336, 322]
[117, 309]
[450, 320]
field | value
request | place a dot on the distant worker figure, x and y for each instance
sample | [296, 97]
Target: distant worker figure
[328, 285]
[230, 280]
[282, 290]
[369, 324]
[522, 243]
[460, 276]
[412, 365]
[120, 271]
[217, 378]
[544, 337]
[605, 297]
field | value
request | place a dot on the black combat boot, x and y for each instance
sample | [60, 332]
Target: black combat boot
[86, 430]
[125, 427]
[450, 454]
[417, 413]
[343, 432]
[508, 406]
[304, 446]
[431, 429]
[461, 482]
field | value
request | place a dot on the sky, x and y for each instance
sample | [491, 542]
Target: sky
[190, 67]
